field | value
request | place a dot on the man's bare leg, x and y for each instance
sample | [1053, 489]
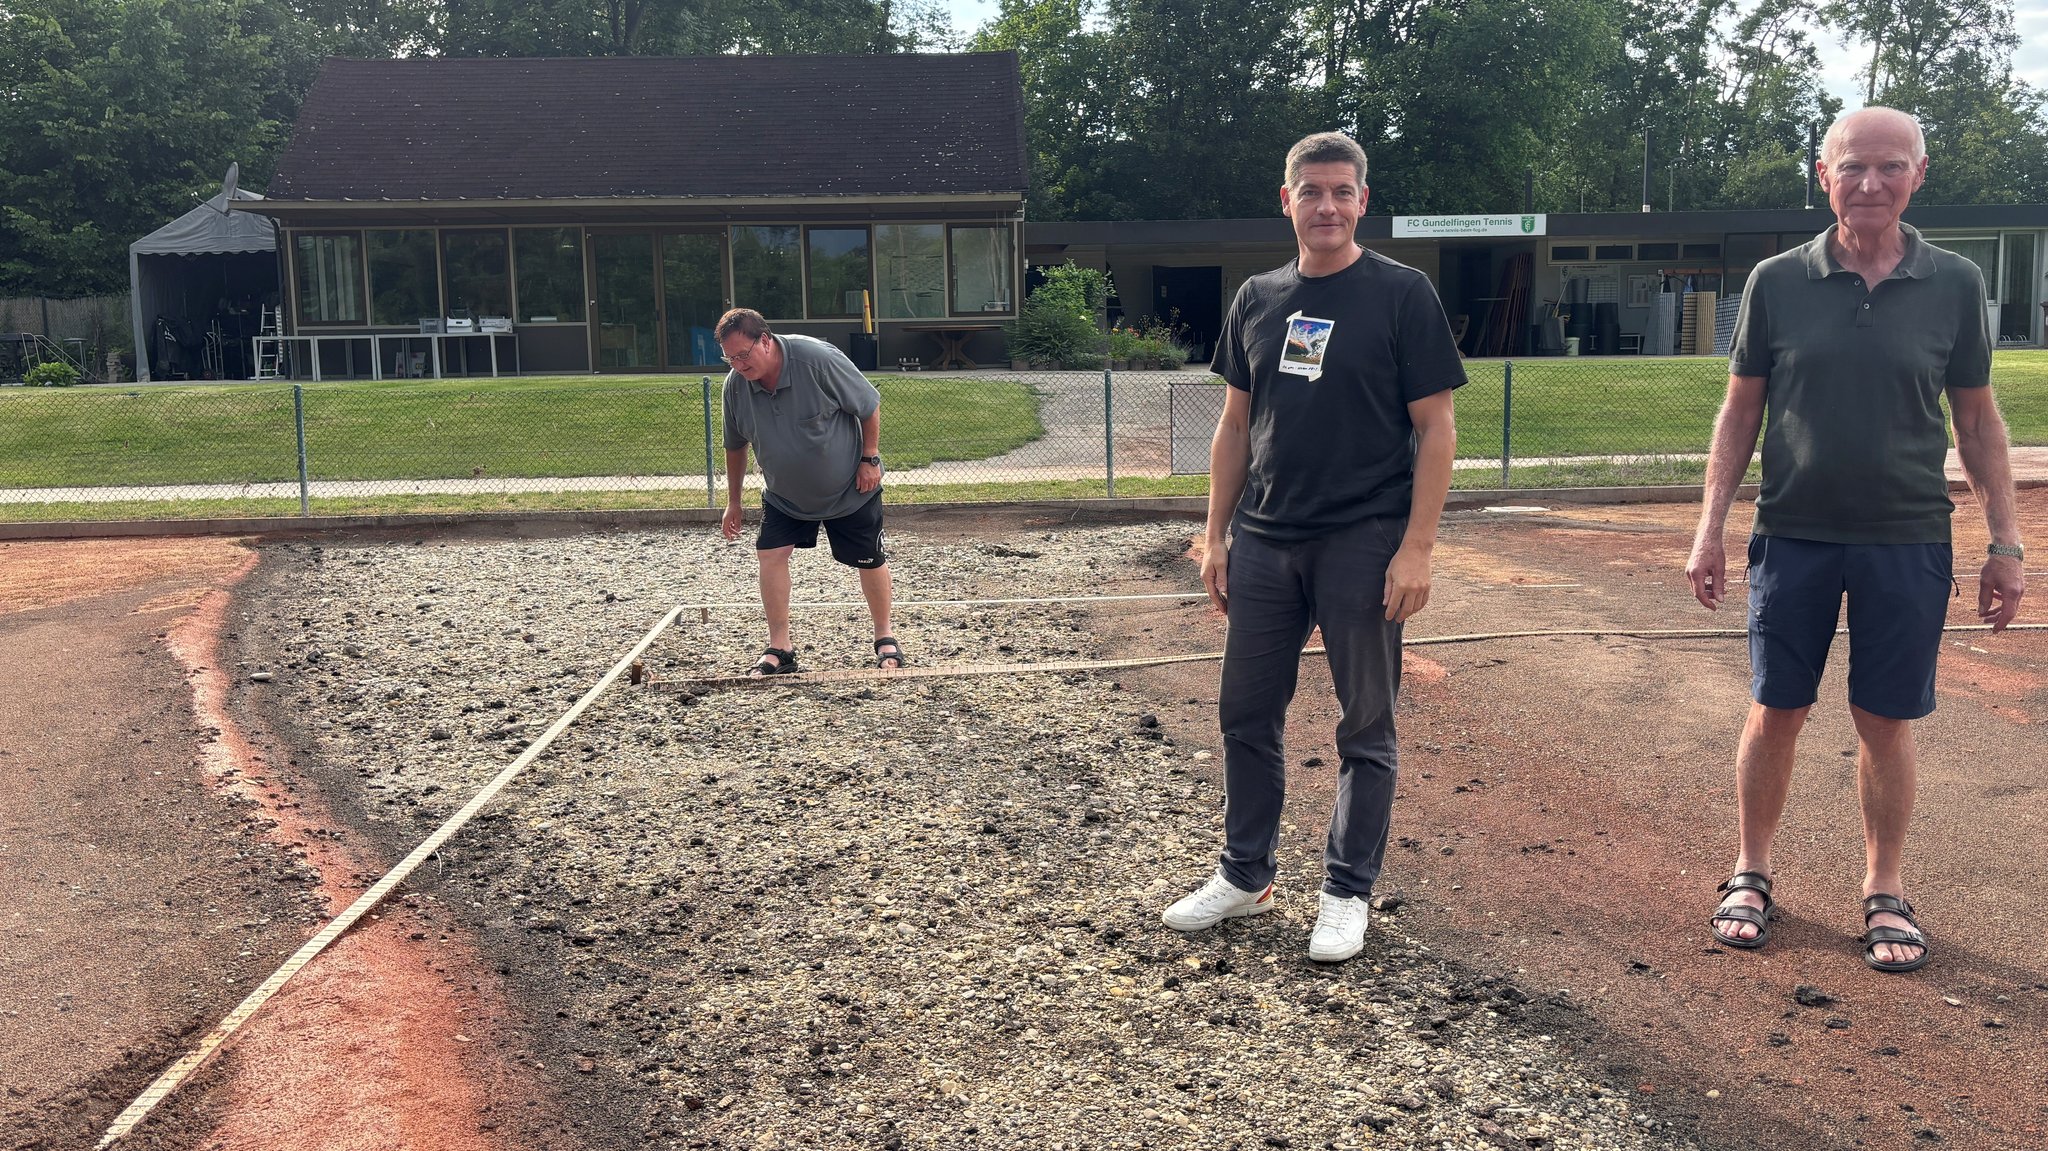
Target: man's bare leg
[1763, 778]
[878, 589]
[1887, 774]
[775, 594]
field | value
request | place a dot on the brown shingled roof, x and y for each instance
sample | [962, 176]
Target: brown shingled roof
[518, 129]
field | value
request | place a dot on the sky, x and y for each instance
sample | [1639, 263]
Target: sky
[2030, 63]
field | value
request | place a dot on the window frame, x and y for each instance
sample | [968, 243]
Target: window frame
[362, 279]
[868, 283]
[1010, 284]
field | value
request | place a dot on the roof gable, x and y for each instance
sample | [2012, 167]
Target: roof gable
[560, 128]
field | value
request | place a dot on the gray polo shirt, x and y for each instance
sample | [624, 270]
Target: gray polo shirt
[1854, 434]
[806, 433]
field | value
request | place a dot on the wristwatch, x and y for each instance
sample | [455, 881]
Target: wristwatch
[2014, 550]
[875, 460]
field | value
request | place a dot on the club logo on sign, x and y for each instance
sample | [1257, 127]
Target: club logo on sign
[1528, 223]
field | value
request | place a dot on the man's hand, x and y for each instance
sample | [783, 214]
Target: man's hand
[867, 477]
[729, 526]
[1707, 568]
[2003, 581]
[1407, 588]
[1216, 574]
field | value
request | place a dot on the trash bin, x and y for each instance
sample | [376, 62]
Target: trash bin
[1571, 345]
[865, 350]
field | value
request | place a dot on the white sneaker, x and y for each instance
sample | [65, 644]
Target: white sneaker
[1215, 901]
[1340, 929]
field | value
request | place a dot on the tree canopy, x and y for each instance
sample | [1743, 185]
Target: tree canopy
[116, 115]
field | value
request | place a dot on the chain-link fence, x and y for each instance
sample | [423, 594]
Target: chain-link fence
[473, 445]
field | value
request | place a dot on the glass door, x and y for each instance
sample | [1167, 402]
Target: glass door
[2019, 304]
[692, 296]
[628, 309]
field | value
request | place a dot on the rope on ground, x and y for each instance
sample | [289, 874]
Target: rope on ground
[192, 1060]
[850, 675]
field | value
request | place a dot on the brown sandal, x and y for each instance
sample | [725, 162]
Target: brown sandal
[1910, 936]
[1760, 917]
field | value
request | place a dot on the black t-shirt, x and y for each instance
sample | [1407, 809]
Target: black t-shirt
[1332, 363]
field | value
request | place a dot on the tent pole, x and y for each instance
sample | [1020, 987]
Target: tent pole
[135, 316]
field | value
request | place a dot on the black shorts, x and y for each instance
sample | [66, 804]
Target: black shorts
[856, 537]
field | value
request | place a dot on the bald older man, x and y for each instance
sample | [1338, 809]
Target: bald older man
[1849, 342]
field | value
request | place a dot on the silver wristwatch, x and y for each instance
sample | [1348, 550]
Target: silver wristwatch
[2014, 550]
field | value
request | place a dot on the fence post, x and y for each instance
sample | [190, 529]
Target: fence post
[1507, 419]
[299, 425]
[710, 481]
[1109, 429]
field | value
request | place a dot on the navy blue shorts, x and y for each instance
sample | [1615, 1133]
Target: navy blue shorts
[1898, 602]
[856, 537]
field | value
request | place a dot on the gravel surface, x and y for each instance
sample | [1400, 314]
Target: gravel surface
[915, 914]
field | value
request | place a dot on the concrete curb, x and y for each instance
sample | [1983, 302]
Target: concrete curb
[631, 519]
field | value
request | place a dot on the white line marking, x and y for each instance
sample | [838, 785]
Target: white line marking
[192, 1060]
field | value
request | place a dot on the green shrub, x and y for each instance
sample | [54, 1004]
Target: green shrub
[51, 375]
[1056, 324]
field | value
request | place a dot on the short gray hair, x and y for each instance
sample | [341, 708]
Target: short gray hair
[1325, 148]
[1831, 145]
[746, 321]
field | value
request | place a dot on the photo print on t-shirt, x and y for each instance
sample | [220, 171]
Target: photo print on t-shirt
[1307, 339]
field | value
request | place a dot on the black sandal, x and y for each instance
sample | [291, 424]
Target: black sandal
[784, 664]
[1760, 917]
[1911, 936]
[882, 658]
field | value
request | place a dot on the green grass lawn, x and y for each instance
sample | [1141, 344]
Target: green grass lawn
[566, 427]
[396, 430]
[1637, 406]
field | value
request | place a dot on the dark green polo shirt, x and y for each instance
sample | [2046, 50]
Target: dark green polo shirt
[1854, 435]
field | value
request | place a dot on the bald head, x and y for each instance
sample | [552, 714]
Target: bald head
[1864, 123]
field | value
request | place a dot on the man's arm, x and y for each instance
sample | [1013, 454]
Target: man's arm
[1436, 443]
[735, 480]
[1981, 442]
[866, 476]
[1230, 461]
[1735, 431]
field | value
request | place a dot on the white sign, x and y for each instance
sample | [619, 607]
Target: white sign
[1479, 225]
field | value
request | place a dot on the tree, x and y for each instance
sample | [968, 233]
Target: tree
[1949, 62]
[116, 116]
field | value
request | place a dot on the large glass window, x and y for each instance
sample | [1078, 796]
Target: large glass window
[839, 270]
[550, 266]
[693, 295]
[768, 271]
[403, 281]
[329, 268]
[910, 269]
[982, 275]
[479, 277]
[2016, 316]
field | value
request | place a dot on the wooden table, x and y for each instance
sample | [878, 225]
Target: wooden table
[952, 340]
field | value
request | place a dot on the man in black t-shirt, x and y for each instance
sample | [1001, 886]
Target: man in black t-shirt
[1327, 477]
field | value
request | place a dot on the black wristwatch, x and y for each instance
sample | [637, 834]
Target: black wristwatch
[875, 460]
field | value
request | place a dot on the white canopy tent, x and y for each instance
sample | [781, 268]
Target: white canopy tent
[166, 267]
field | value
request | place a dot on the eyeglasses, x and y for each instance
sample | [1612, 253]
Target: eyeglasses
[737, 357]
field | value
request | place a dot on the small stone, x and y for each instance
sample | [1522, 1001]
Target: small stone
[1837, 1023]
[260, 677]
[1811, 996]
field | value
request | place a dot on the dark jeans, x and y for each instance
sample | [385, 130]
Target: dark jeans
[1278, 593]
